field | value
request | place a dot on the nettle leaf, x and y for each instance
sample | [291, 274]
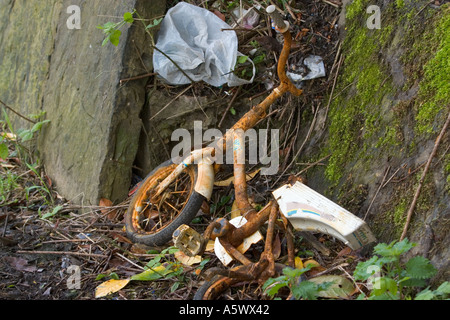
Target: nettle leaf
[444, 288]
[382, 285]
[394, 249]
[420, 268]
[273, 285]
[366, 269]
[425, 295]
[309, 290]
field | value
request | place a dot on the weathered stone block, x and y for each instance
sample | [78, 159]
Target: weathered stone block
[89, 146]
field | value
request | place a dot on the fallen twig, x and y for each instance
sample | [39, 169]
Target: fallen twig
[171, 101]
[229, 105]
[138, 77]
[11, 109]
[332, 4]
[422, 178]
[378, 190]
[70, 253]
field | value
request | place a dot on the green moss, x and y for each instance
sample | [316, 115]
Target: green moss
[434, 92]
[447, 171]
[355, 9]
[400, 4]
[399, 213]
[355, 119]
[358, 124]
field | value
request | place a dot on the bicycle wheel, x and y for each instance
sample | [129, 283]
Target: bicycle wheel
[151, 220]
[212, 289]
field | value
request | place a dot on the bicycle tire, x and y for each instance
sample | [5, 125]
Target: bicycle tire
[213, 295]
[163, 234]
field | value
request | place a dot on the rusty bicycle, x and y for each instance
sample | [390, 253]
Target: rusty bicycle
[171, 195]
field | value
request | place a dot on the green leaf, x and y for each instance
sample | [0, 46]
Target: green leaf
[37, 126]
[306, 289]
[114, 276]
[152, 274]
[4, 152]
[100, 276]
[273, 285]
[425, 295]
[25, 135]
[114, 37]
[105, 41]
[260, 58]
[420, 268]
[242, 59]
[444, 288]
[394, 249]
[367, 268]
[154, 23]
[175, 286]
[384, 284]
[128, 17]
[51, 214]
[233, 111]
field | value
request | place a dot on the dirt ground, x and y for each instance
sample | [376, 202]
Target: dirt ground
[39, 259]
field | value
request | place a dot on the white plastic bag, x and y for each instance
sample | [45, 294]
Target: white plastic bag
[193, 38]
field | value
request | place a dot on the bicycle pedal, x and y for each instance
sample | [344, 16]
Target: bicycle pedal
[189, 241]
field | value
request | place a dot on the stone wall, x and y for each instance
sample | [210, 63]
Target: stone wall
[90, 144]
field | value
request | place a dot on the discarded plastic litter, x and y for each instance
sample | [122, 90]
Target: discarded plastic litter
[316, 67]
[308, 210]
[193, 38]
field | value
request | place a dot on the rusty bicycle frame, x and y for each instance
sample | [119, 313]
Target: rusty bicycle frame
[231, 237]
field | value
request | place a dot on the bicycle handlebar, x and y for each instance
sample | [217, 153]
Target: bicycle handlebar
[277, 18]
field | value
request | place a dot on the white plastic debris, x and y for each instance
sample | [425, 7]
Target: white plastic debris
[194, 39]
[307, 210]
[316, 67]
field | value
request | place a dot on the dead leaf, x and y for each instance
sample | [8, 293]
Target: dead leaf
[298, 263]
[316, 267]
[341, 287]
[139, 248]
[20, 264]
[186, 260]
[106, 204]
[120, 238]
[210, 246]
[276, 247]
[344, 252]
[110, 286]
[227, 182]
[293, 179]
[219, 14]
[235, 212]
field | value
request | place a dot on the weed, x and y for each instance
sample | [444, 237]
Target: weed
[291, 279]
[390, 279]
